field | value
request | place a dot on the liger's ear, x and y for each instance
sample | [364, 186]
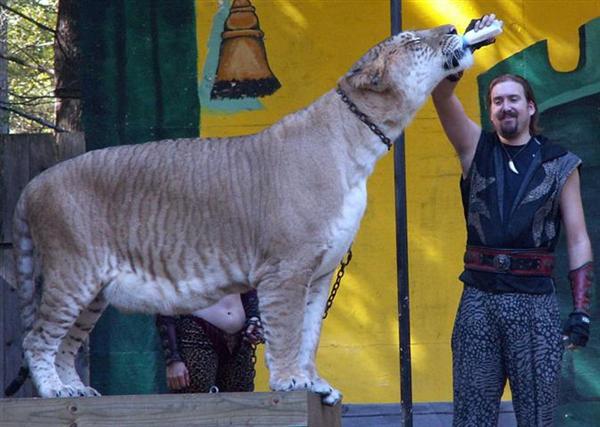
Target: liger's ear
[368, 74]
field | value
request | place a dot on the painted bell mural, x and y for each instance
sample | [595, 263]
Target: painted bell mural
[243, 69]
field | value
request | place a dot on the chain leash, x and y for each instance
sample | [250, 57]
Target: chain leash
[365, 119]
[253, 358]
[338, 281]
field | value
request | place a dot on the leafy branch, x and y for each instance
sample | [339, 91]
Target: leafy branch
[27, 18]
[31, 117]
[29, 57]
[17, 60]
[31, 97]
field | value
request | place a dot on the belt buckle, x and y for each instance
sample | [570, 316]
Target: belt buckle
[501, 262]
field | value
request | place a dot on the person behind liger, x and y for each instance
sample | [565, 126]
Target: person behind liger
[212, 349]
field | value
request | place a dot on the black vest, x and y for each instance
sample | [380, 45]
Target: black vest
[531, 220]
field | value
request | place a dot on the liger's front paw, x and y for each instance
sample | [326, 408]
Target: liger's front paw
[329, 395]
[58, 391]
[292, 382]
[332, 398]
[87, 392]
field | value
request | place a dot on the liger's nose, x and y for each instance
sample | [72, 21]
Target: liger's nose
[445, 29]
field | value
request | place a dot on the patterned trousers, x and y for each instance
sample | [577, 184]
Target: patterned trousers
[506, 336]
[204, 350]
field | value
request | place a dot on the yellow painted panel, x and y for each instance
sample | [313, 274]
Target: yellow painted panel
[310, 44]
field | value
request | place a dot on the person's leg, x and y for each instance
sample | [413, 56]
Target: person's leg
[236, 372]
[198, 354]
[478, 373]
[533, 352]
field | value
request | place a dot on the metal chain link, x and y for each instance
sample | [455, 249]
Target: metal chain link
[338, 281]
[365, 119]
[253, 358]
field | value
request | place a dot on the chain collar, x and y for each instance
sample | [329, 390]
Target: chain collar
[363, 118]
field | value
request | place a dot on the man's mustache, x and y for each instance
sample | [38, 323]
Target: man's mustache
[507, 113]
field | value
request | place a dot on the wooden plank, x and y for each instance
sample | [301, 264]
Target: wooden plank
[42, 153]
[7, 269]
[293, 409]
[70, 144]
[14, 150]
[4, 289]
[22, 157]
[322, 415]
[10, 333]
[14, 176]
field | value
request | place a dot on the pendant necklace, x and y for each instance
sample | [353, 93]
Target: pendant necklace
[511, 163]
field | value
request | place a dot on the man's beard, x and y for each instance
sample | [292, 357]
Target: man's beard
[508, 129]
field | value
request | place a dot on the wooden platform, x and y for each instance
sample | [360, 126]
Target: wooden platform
[291, 409]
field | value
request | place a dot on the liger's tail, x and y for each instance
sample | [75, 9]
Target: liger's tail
[16, 384]
[24, 262]
[26, 285]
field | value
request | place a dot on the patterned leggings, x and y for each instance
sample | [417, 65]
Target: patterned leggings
[506, 336]
[209, 361]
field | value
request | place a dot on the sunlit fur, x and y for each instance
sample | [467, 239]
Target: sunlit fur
[172, 226]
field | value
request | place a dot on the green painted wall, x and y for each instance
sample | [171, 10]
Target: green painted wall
[139, 84]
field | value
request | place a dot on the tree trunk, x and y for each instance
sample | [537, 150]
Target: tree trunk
[67, 60]
[4, 128]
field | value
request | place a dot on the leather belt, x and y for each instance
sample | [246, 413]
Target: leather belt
[519, 262]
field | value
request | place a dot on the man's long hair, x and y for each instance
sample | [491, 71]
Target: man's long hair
[534, 127]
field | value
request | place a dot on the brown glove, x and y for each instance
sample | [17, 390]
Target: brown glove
[576, 330]
[581, 280]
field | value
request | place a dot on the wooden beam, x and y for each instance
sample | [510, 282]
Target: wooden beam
[297, 408]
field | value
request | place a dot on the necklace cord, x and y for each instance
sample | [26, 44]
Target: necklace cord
[511, 159]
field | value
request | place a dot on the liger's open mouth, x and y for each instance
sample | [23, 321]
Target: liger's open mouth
[453, 58]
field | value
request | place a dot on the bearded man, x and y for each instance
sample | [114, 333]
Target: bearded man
[517, 188]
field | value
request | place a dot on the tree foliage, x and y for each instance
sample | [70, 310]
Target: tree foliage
[30, 56]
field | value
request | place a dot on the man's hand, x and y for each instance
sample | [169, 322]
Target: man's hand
[576, 330]
[254, 332]
[178, 376]
[478, 24]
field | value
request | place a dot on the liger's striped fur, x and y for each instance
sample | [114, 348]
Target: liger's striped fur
[173, 226]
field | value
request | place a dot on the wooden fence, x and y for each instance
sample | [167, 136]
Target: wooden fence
[21, 158]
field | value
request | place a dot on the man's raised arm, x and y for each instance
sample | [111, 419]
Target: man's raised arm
[462, 132]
